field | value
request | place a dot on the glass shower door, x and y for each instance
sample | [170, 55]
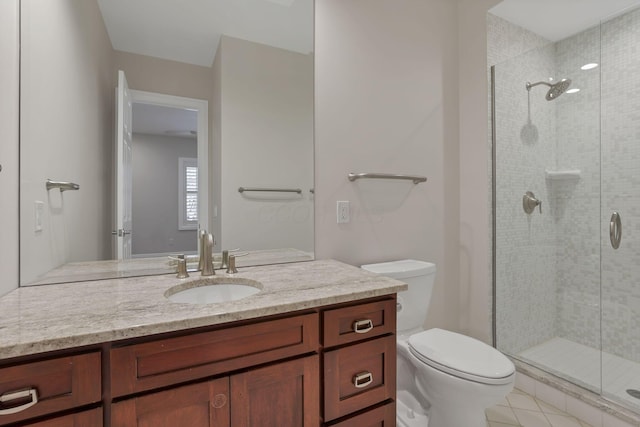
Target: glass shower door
[548, 259]
[620, 65]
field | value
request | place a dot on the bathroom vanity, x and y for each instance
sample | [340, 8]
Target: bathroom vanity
[315, 347]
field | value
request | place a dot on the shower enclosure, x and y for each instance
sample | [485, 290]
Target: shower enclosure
[567, 207]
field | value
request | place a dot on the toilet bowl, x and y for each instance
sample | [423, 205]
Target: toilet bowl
[444, 379]
[459, 376]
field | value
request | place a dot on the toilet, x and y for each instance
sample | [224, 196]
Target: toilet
[444, 379]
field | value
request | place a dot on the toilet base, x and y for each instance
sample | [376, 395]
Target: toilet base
[409, 413]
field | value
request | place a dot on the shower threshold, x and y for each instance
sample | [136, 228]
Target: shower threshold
[580, 365]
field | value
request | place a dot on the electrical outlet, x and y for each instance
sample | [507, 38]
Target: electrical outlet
[342, 208]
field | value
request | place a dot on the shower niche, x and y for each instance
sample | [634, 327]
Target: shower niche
[567, 301]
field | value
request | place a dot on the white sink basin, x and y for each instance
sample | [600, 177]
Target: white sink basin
[212, 290]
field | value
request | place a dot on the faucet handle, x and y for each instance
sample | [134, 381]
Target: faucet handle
[182, 268]
[231, 268]
[225, 256]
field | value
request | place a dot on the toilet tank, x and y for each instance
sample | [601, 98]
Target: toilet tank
[414, 302]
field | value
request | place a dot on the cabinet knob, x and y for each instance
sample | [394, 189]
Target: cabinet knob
[219, 400]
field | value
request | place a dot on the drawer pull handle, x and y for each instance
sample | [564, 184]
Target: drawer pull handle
[15, 395]
[362, 379]
[362, 326]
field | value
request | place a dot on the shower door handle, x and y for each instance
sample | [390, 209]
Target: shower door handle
[615, 230]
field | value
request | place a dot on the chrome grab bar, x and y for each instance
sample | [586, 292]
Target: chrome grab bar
[277, 190]
[415, 178]
[62, 185]
[615, 230]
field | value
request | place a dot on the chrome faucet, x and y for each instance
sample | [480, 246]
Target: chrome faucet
[206, 255]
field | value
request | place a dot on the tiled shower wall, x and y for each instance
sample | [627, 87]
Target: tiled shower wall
[526, 141]
[549, 265]
[575, 203]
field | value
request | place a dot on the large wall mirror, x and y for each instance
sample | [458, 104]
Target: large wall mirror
[219, 108]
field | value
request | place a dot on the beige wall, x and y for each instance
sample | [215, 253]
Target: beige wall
[267, 141]
[65, 133]
[163, 76]
[475, 196]
[386, 101]
[9, 145]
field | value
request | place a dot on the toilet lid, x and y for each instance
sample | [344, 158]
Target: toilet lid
[461, 356]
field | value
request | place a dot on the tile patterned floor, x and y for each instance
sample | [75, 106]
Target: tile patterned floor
[522, 410]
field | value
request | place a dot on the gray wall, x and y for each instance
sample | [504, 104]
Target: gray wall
[156, 193]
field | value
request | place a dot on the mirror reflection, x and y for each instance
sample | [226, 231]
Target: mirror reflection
[221, 98]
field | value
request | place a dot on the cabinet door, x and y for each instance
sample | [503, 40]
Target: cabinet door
[198, 405]
[286, 394]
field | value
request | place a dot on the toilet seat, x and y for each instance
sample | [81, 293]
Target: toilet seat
[461, 356]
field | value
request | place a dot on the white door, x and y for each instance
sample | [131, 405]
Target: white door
[124, 177]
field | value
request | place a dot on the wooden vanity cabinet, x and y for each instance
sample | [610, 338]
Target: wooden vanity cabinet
[330, 366]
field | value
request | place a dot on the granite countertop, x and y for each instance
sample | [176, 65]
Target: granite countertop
[37, 319]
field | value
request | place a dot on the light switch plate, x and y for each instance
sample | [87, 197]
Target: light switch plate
[343, 215]
[39, 213]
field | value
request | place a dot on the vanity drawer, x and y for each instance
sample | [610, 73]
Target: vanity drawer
[56, 384]
[164, 362]
[383, 416]
[91, 418]
[354, 323]
[359, 376]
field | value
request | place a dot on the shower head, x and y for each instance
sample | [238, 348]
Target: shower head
[555, 89]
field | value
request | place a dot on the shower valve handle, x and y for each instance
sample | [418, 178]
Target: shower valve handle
[529, 202]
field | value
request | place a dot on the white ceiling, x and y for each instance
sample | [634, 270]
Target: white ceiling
[189, 30]
[558, 19]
